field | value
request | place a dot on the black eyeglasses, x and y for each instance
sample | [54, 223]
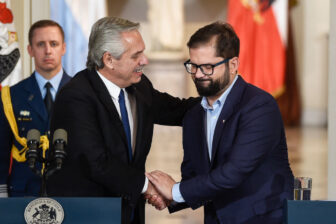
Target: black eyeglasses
[206, 69]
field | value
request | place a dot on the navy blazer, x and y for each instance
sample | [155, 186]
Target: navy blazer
[30, 113]
[248, 177]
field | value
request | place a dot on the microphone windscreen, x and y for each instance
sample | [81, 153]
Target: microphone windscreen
[60, 134]
[33, 135]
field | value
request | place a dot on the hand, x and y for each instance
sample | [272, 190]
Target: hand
[163, 183]
[154, 198]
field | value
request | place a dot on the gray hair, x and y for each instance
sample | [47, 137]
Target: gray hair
[106, 37]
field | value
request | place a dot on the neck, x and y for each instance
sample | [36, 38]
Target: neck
[104, 72]
[212, 99]
[48, 75]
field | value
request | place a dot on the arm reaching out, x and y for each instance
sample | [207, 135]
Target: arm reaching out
[163, 183]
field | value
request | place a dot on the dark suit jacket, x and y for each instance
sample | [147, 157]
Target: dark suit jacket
[248, 177]
[97, 161]
[26, 97]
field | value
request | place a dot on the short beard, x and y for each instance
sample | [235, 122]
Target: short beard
[214, 87]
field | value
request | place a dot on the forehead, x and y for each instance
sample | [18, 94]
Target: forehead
[132, 41]
[48, 33]
[203, 54]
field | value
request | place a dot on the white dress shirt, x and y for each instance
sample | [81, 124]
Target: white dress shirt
[114, 92]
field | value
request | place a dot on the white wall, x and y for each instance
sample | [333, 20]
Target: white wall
[26, 12]
[332, 105]
[314, 55]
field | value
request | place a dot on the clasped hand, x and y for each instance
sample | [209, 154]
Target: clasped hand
[159, 191]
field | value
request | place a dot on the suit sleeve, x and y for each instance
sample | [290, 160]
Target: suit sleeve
[166, 109]
[77, 114]
[6, 140]
[170, 110]
[258, 132]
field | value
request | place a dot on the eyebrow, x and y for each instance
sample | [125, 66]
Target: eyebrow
[138, 52]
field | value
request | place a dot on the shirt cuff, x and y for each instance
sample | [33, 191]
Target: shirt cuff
[177, 196]
[144, 189]
[3, 191]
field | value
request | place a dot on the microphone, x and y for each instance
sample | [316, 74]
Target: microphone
[60, 141]
[33, 142]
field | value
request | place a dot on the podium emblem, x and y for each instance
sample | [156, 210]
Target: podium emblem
[44, 211]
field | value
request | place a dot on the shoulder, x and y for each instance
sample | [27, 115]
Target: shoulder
[79, 85]
[251, 95]
[20, 85]
[80, 79]
[255, 102]
[19, 90]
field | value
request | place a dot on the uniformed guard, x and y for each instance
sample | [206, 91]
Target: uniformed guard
[28, 105]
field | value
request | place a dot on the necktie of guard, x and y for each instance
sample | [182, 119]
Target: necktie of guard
[125, 121]
[48, 101]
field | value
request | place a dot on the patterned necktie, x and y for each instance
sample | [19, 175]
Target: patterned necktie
[124, 118]
[48, 101]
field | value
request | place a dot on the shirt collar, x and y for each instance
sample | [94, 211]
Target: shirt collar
[54, 81]
[220, 101]
[112, 88]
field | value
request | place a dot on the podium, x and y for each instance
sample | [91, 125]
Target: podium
[76, 210]
[310, 212]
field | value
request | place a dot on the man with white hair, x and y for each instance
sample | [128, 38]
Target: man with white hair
[109, 110]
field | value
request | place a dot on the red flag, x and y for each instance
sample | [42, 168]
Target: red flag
[261, 27]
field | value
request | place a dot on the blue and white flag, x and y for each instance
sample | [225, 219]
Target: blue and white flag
[76, 17]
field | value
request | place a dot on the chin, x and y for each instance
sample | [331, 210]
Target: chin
[49, 68]
[137, 76]
[137, 80]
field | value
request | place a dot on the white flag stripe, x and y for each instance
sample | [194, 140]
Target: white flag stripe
[280, 10]
[76, 17]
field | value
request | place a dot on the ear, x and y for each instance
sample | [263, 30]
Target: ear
[108, 60]
[30, 50]
[234, 65]
[63, 48]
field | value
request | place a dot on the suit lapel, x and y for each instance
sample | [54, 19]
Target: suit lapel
[35, 98]
[231, 103]
[106, 100]
[141, 121]
[195, 130]
[203, 138]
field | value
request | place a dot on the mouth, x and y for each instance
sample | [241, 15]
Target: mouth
[202, 80]
[48, 60]
[139, 69]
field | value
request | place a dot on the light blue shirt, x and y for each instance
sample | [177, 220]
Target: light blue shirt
[212, 114]
[54, 81]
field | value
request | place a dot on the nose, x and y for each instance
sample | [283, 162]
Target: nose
[47, 48]
[143, 60]
[199, 73]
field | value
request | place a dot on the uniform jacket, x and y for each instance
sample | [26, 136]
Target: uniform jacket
[248, 177]
[30, 113]
[97, 156]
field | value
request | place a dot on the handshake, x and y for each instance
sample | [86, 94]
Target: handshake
[159, 191]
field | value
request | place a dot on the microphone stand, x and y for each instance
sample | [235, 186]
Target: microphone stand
[43, 175]
[44, 184]
[48, 170]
